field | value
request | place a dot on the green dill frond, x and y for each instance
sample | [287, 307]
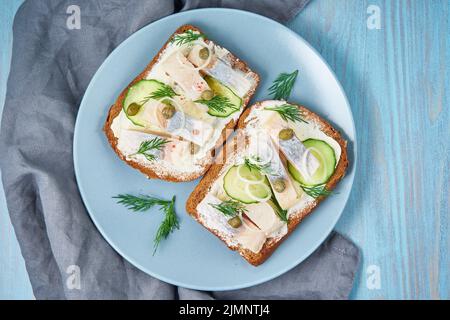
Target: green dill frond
[217, 103]
[281, 213]
[168, 225]
[282, 86]
[149, 145]
[165, 91]
[316, 191]
[255, 162]
[142, 203]
[288, 112]
[186, 37]
[138, 203]
[229, 208]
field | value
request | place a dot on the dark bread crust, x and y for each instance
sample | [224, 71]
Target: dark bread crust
[214, 172]
[117, 107]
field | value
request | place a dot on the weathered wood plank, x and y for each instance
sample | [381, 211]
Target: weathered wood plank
[397, 82]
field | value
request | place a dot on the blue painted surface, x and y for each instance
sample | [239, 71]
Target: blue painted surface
[397, 82]
[14, 282]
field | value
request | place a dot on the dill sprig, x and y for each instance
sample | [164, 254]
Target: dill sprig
[165, 91]
[229, 208]
[255, 162]
[169, 224]
[217, 103]
[316, 191]
[143, 203]
[149, 145]
[288, 112]
[281, 213]
[282, 86]
[138, 203]
[186, 37]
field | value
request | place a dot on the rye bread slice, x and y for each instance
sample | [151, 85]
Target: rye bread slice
[165, 173]
[215, 172]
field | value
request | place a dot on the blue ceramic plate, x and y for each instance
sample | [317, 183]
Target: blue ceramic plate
[192, 257]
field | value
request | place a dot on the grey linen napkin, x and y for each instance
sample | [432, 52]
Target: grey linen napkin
[50, 70]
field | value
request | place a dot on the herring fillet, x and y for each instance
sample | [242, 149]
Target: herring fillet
[221, 70]
[268, 154]
[189, 128]
[298, 155]
[185, 76]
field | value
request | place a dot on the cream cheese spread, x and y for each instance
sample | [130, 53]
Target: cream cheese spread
[175, 68]
[265, 224]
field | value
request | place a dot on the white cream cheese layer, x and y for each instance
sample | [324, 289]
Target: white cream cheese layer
[176, 69]
[259, 223]
[261, 214]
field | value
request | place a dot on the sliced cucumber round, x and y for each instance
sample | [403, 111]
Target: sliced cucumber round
[248, 175]
[222, 90]
[135, 101]
[237, 188]
[327, 159]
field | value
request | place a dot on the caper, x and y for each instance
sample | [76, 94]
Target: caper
[279, 185]
[286, 134]
[235, 222]
[168, 111]
[166, 101]
[203, 53]
[194, 148]
[207, 95]
[133, 109]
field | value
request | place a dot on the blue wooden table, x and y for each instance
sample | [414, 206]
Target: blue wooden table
[393, 60]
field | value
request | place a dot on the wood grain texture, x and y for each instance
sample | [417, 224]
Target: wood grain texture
[398, 84]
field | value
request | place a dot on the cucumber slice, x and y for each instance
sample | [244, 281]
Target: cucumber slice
[248, 175]
[222, 90]
[235, 187]
[137, 94]
[327, 159]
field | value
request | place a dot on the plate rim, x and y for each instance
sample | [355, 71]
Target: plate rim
[180, 283]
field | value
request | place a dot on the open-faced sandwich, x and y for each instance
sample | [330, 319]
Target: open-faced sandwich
[283, 161]
[186, 102]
